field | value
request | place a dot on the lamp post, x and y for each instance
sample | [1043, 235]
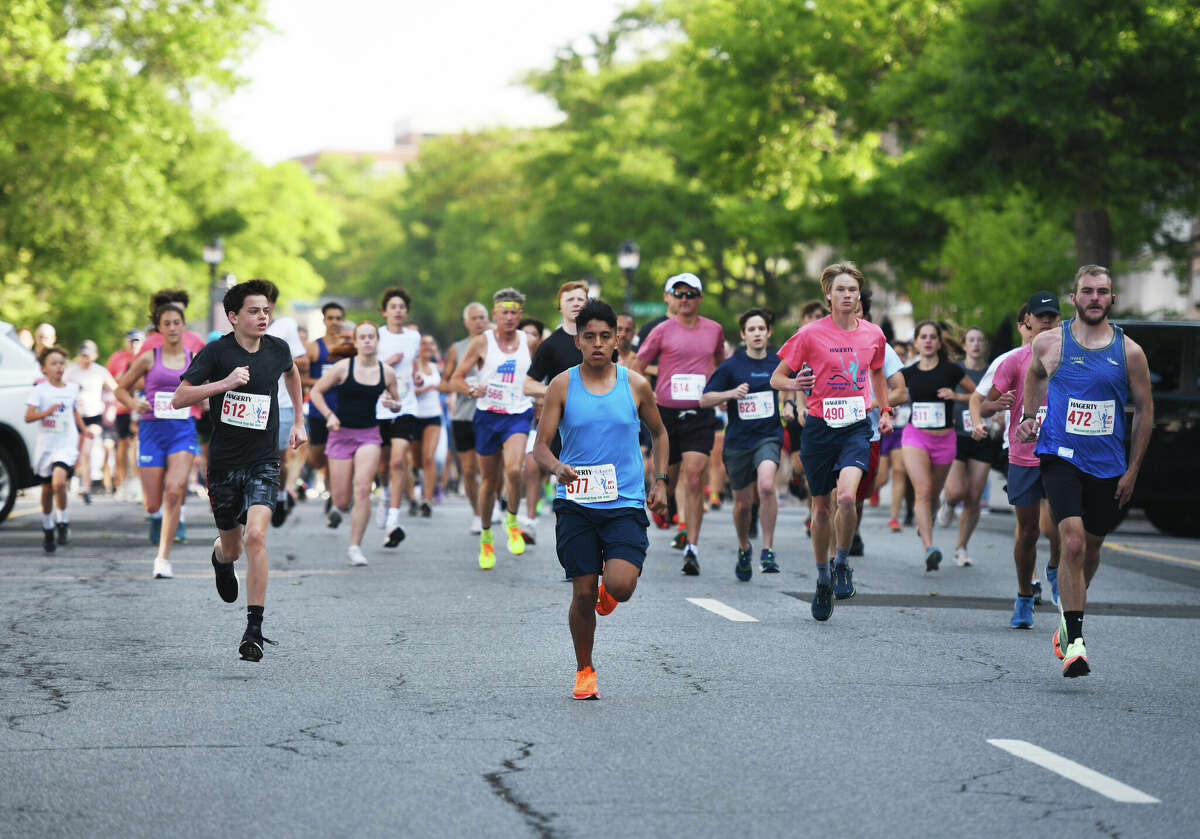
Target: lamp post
[628, 259]
[213, 253]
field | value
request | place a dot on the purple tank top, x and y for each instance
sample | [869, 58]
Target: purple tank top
[164, 380]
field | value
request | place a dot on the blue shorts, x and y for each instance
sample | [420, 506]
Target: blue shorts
[287, 416]
[586, 536]
[1024, 485]
[492, 429]
[159, 439]
[824, 451]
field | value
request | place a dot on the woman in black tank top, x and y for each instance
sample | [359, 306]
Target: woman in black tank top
[354, 444]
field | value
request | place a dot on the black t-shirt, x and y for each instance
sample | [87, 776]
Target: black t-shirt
[555, 354]
[923, 386]
[240, 439]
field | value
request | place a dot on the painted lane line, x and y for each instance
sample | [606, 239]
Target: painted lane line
[1072, 771]
[1117, 546]
[717, 607]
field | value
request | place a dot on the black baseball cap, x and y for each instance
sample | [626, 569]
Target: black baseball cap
[1041, 302]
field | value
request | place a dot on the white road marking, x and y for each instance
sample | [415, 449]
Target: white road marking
[717, 607]
[1072, 771]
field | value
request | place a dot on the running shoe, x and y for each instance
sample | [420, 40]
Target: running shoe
[162, 569]
[768, 565]
[251, 648]
[355, 556]
[873, 501]
[585, 684]
[714, 501]
[691, 562]
[605, 602]
[1022, 616]
[808, 527]
[933, 558]
[48, 543]
[945, 515]
[64, 533]
[87, 498]
[1075, 662]
[843, 582]
[333, 518]
[395, 537]
[278, 517]
[227, 581]
[1060, 635]
[155, 529]
[744, 570]
[660, 521]
[438, 496]
[516, 542]
[961, 558]
[413, 508]
[528, 530]
[487, 551]
[894, 525]
[908, 517]
[426, 510]
[680, 541]
[1037, 592]
[181, 533]
[822, 605]
[1052, 578]
[476, 524]
[856, 545]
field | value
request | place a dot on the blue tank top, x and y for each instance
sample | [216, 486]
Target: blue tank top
[316, 370]
[603, 429]
[1085, 406]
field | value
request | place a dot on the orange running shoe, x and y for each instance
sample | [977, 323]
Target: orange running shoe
[605, 603]
[585, 684]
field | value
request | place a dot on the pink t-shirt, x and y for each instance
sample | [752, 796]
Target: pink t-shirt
[840, 359]
[686, 358]
[1010, 375]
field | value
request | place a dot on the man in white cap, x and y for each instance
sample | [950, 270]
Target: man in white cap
[686, 347]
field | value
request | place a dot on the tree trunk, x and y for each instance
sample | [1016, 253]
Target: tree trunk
[1093, 236]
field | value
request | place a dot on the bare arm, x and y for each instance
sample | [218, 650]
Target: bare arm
[187, 394]
[139, 368]
[471, 357]
[32, 414]
[451, 363]
[966, 384]
[897, 392]
[333, 376]
[1140, 393]
[716, 397]
[552, 411]
[1036, 381]
[879, 385]
[299, 435]
[535, 388]
[648, 413]
[313, 353]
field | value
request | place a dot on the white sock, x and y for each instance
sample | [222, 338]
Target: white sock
[416, 493]
[182, 514]
[157, 514]
[47, 521]
[62, 516]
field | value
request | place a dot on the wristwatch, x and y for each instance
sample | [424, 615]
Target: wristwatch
[662, 476]
[1025, 416]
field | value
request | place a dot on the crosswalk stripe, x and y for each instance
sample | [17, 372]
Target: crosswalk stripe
[1072, 771]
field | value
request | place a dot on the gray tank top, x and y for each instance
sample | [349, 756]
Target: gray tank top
[464, 406]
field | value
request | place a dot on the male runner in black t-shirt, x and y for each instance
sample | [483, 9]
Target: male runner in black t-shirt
[239, 375]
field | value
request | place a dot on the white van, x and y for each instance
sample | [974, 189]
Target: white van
[18, 371]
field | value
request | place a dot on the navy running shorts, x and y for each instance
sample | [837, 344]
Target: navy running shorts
[586, 536]
[824, 451]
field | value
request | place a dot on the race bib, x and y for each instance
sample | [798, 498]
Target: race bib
[754, 406]
[902, 416]
[967, 425]
[1091, 419]
[687, 387]
[56, 423]
[595, 483]
[504, 395]
[843, 411]
[246, 410]
[163, 409]
[929, 414]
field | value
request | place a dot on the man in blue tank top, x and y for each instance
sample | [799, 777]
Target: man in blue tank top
[1086, 371]
[319, 361]
[601, 523]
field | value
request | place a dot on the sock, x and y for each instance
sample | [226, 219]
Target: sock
[510, 519]
[416, 493]
[47, 521]
[254, 615]
[157, 514]
[823, 577]
[840, 558]
[62, 516]
[182, 514]
[485, 535]
[282, 495]
[1074, 626]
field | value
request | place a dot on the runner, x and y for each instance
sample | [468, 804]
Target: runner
[399, 345]
[54, 405]
[626, 331]
[354, 443]
[973, 457]
[601, 522]
[166, 436]
[836, 356]
[929, 440]
[754, 437]
[125, 422]
[1026, 491]
[462, 418]
[45, 336]
[533, 475]
[93, 379]
[429, 418]
[239, 375]
[686, 348]
[810, 312]
[1086, 371]
[334, 317]
[287, 330]
[503, 414]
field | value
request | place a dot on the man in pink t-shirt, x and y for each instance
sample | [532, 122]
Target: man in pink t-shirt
[688, 348]
[1025, 490]
[840, 359]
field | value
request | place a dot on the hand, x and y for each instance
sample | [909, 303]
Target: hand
[332, 422]
[1005, 400]
[141, 406]
[89, 431]
[945, 393]
[418, 380]
[978, 432]
[657, 499]
[1125, 488]
[394, 359]
[741, 390]
[1027, 431]
[471, 391]
[298, 436]
[565, 474]
[391, 404]
[788, 409]
[885, 423]
[237, 378]
[804, 382]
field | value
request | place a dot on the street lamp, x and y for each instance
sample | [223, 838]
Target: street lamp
[213, 253]
[628, 259]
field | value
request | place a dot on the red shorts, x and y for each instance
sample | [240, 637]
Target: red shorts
[867, 485]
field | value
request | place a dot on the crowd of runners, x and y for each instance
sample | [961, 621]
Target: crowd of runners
[599, 421]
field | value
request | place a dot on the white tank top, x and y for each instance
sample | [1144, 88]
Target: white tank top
[503, 377]
[429, 403]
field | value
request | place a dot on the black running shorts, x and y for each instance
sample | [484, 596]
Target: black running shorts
[689, 430]
[231, 493]
[1073, 492]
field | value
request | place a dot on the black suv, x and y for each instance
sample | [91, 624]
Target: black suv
[1168, 486]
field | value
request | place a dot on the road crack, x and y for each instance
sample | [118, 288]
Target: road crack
[541, 823]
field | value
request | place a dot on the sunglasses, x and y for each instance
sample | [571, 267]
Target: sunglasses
[685, 295]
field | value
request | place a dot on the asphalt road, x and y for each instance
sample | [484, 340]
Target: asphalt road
[422, 697]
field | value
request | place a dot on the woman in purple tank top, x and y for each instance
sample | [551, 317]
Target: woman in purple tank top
[166, 435]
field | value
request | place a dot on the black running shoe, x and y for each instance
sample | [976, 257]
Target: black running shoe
[48, 544]
[395, 537]
[251, 648]
[290, 501]
[1037, 592]
[856, 546]
[64, 533]
[279, 514]
[413, 508]
[227, 581]
[933, 558]
[691, 562]
[822, 605]
[333, 518]
[426, 510]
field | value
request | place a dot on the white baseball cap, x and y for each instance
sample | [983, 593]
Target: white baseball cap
[687, 279]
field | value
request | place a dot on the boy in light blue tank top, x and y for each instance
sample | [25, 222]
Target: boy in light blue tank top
[601, 522]
[1085, 371]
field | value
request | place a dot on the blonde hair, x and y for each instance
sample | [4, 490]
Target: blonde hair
[835, 270]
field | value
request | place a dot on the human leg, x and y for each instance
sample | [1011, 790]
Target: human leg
[366, 460]
[692, 471]
[976, 476]
[174, 488]
[768, 502]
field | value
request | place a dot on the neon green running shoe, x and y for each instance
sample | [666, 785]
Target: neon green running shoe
[516, 542]
[487, 550]
[1075, 662]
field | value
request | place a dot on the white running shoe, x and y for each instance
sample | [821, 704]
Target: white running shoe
[355, 555]
[961, 559]
[945, 516]
[162, 569]
[497, 513]
[476, 524]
